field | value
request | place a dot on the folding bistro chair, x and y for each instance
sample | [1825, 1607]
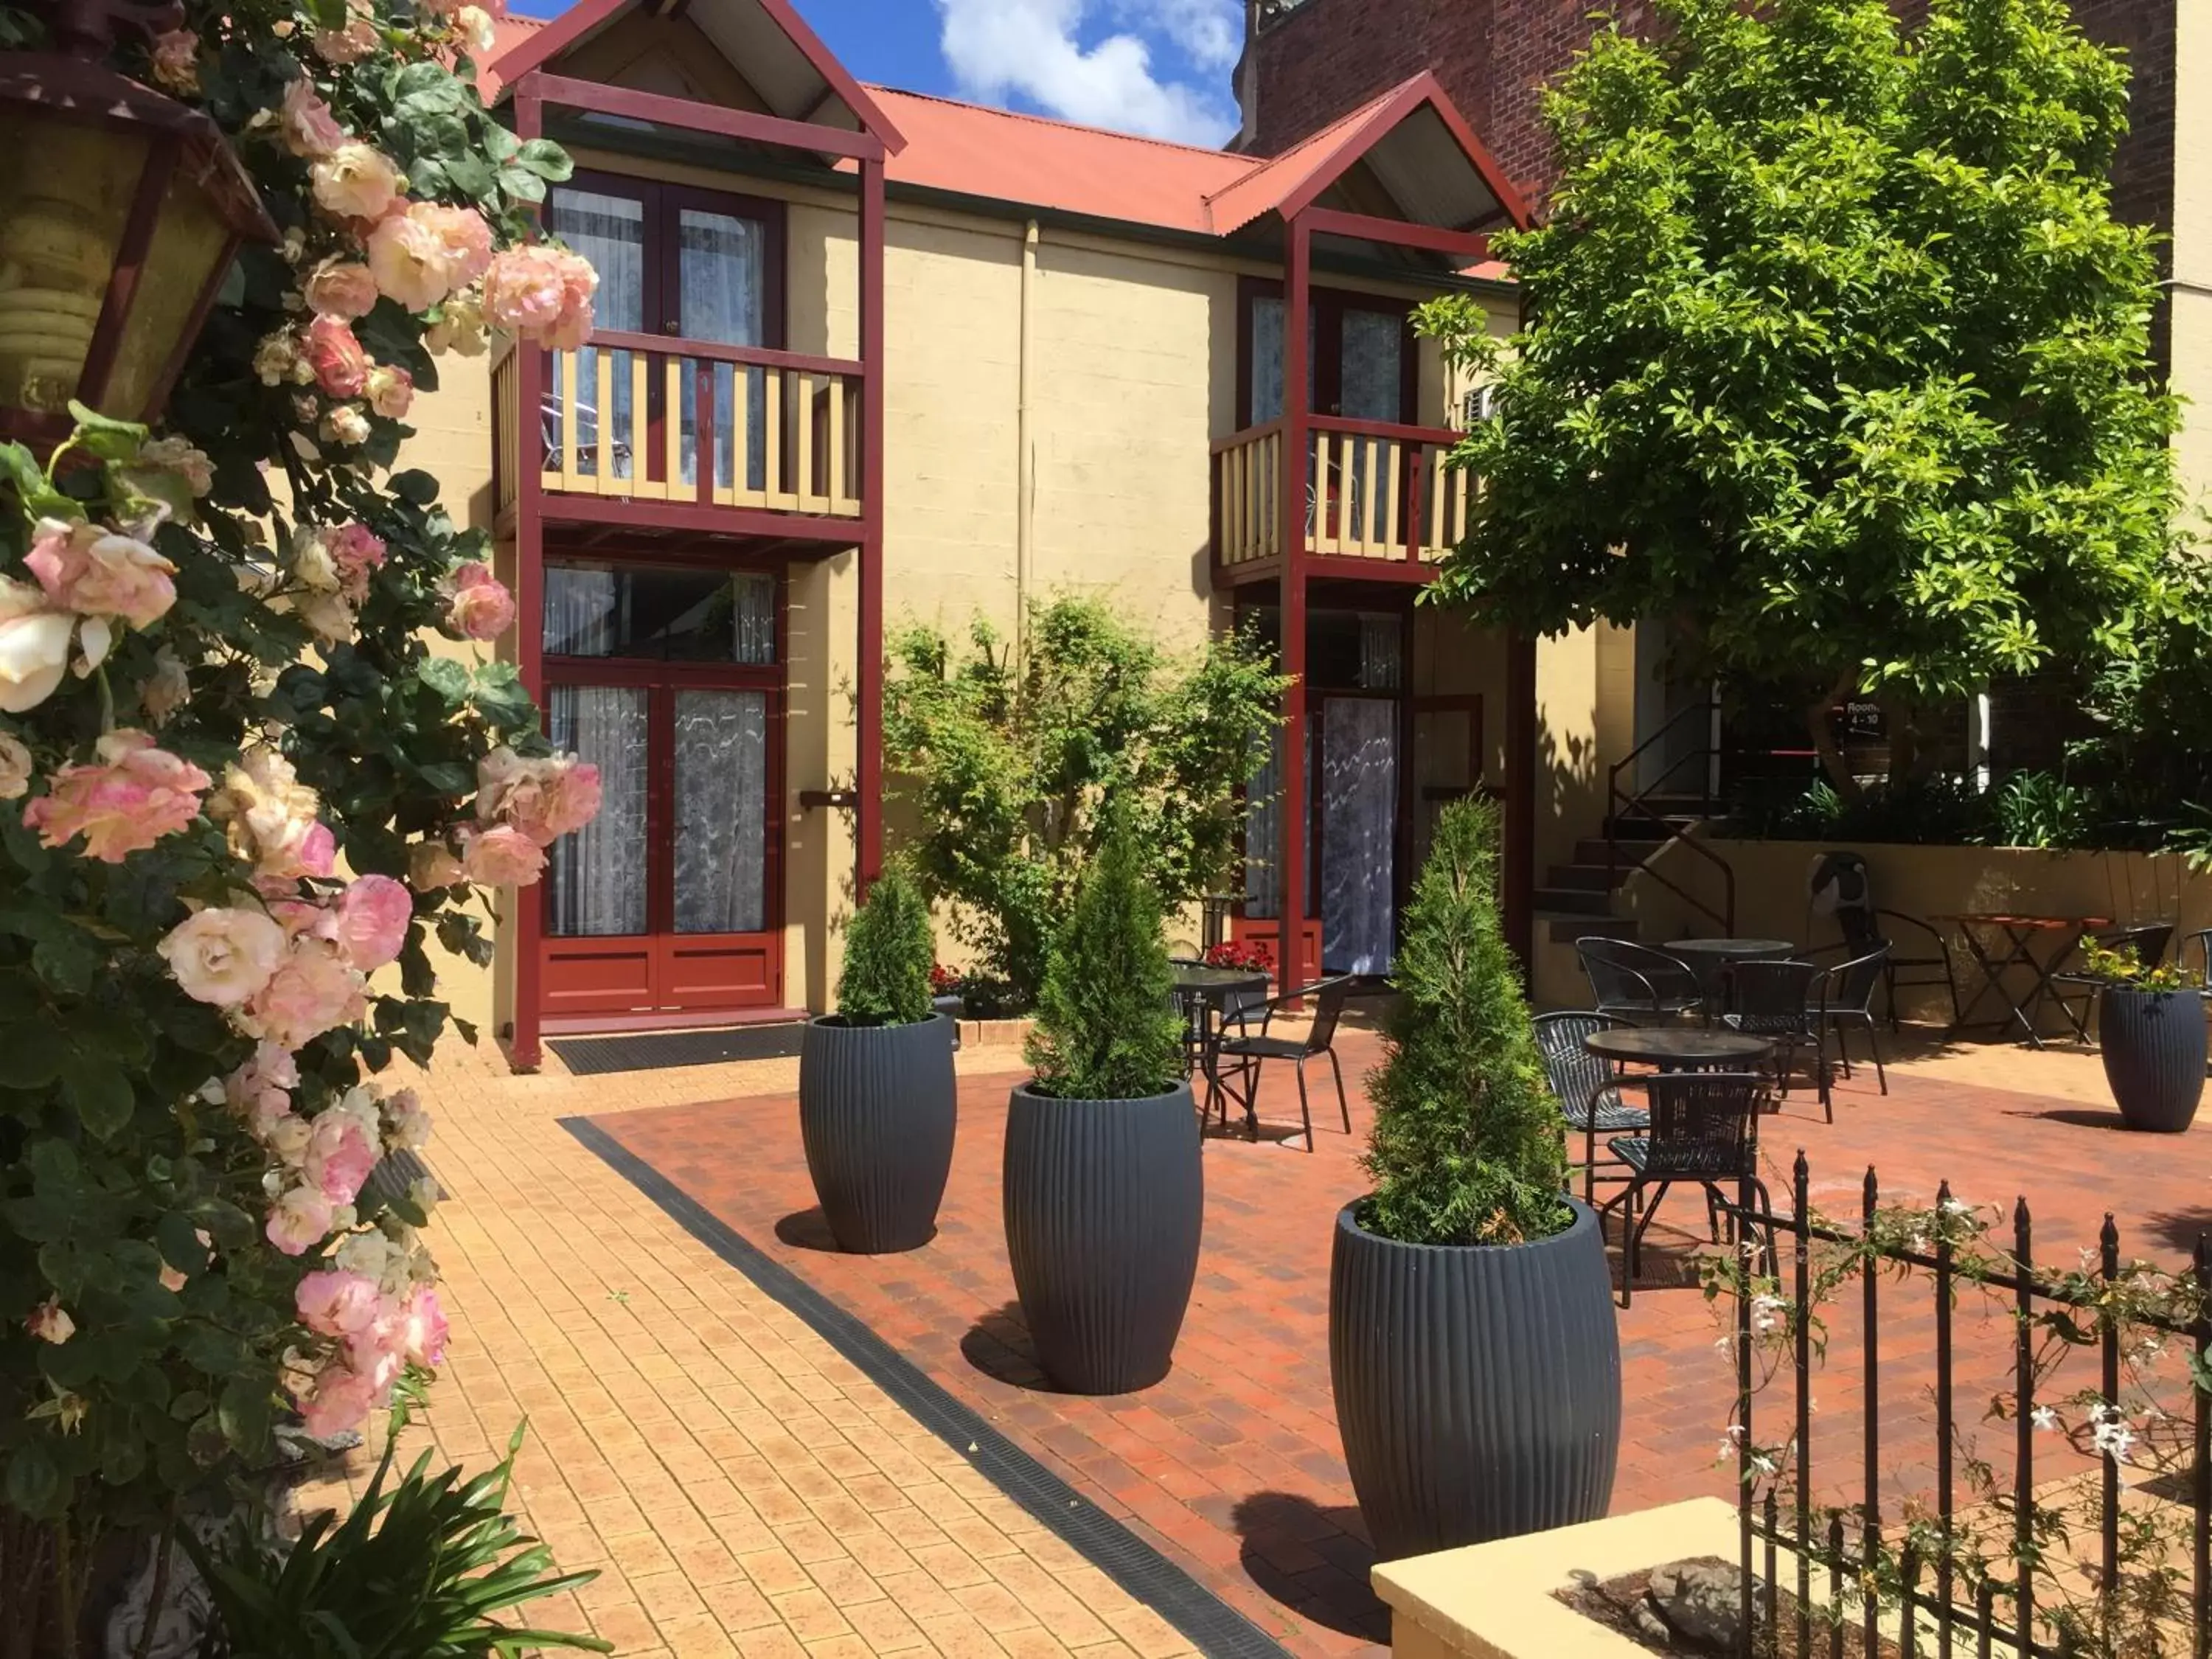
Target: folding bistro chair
[1843, 995]
[1774, 1000]
[1586, 1087]
[1251, 1049]
[1627, 979]
[2147, 943]
[1704, 1129]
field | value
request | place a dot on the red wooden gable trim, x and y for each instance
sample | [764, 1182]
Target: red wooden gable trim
[1422, 89]
[695, 117]
[544, 45]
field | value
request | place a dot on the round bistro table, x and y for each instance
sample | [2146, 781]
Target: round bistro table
[1708, 958]
[1680, 1048]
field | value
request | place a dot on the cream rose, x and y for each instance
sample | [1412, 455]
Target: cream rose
[355, 181]
[222, 955]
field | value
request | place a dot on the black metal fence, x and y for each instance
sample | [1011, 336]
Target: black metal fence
[1888, 1576]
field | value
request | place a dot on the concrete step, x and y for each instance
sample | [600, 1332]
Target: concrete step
[1592, 876]
[1575, 901]
[1566, 928]
[1640, 829]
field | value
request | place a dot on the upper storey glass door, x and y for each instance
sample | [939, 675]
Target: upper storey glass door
[685, 264]
[1359, 358]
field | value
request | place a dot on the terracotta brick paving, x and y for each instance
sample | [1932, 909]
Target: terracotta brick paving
[1233, 1465]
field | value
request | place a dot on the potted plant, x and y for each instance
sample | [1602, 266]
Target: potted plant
[1472, 1345]
[1103, 1191]
[875, 1081]
[2150, 1031]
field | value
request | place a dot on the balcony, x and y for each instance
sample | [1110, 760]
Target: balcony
[622, 427]
[1381, 500]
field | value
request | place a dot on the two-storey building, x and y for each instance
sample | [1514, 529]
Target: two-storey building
[862, 354]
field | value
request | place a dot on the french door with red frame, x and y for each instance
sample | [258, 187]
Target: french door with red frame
[670, 680]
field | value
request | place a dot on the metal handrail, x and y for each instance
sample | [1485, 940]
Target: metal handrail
[1621, 804]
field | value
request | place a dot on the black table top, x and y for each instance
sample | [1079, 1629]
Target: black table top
[1194, 978]
[1662, 1045]
[1732, 947]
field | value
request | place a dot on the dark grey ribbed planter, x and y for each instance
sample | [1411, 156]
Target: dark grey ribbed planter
[1477, 1387]
[876, 1111]
[1104, 1202]
[2153, 1046]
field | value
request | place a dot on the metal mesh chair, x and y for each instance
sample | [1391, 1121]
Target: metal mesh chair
[2074, 989]
[1843, 996]
[1774, 1000]
[1929, 966]
[1250, 1049]
[1586, 1087]
[1705, 1129]
[1628, 980]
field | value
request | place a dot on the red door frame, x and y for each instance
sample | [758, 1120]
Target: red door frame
[663, 947]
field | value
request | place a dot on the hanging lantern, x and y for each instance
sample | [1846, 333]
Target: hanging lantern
[120, 213]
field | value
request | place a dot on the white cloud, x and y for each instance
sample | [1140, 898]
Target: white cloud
[1031, 48]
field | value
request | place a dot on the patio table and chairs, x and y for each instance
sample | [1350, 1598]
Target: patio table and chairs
[1243, 1045]
[1586, 1085]
[1704, 1129]
[1709, 959]
[1773, 999]
[1630, 980]
[1206, 997]
[1998, 943]
[2073, 989]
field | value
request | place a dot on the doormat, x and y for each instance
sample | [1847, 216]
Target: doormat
[657, 1051]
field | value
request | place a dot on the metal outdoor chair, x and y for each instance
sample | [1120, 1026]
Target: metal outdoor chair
[1251, 1049]
[1705, 1129]
[1586, 1087]
[2073, 989]
[2201, 941]
[1628, 980]
[1928, 966]
[1843, 996]
[1774, 1000]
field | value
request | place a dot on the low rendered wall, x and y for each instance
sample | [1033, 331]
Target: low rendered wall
[2121, 888]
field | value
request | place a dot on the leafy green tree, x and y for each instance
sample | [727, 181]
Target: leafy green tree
[1467, 1147]
[1106, 1028]
[1836, 356]
[890, 948]
[1011, 755]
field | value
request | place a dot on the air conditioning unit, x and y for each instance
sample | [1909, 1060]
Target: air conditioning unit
[1482, 405]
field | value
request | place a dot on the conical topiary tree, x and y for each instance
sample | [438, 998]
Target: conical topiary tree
[1467, 1147]
[890, 948]
[1106, 1027]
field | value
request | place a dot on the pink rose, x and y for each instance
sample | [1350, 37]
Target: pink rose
[572, 797]
[431, 866]
[271, 817]
[477, 604]
[337, 1303]
[319, 851]
[355, 181]
[426, 251]
[298, 1221]
[339, 1157]
[501, 857]
[176, 60]
[356, 551]
[341, 366]
[96, 572]
[373, 912]
[34, 645]
[311, 992]
[140, 794]
[391, 391]
[258, 1091]
[310, 131]
[343, 288]
[222, 956]
[423, 1331]
[338, 1402]
[50, 1322]
[542, 294]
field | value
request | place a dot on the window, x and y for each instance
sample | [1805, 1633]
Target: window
[657, 615]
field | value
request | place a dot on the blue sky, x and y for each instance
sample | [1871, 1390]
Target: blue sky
[1160, 67]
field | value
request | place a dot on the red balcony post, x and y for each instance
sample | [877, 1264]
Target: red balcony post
[868, 778]
[527, 919]
[1297, 439]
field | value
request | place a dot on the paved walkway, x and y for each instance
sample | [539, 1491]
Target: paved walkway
[740, 1487]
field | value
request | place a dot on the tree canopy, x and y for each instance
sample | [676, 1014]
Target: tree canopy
[1836, 355]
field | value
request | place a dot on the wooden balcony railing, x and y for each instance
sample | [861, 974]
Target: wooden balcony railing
[1374, 490]
[642, 417]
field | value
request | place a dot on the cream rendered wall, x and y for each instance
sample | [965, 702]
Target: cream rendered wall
[2192, 244]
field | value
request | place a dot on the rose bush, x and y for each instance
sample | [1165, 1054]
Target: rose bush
[241, 790]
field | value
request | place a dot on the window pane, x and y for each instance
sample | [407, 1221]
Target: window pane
[1374, 347]
[666, 616]
[721, 811]
[610, 232]
[599, 873]
[722, 291]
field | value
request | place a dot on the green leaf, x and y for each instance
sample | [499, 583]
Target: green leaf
[110, 439]
[446, 677]
[546, 159]
[35, 1052]
[101, 1092]
[244, 1412]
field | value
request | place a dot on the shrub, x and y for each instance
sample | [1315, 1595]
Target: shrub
[1467, 1147]
[1010, 754]
[891, 954]
[419, 1568]
[1105, 1028]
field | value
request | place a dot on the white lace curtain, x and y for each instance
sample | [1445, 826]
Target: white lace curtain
[719, 273]
[610, 232]
[722, 804]
[1358, 832]
[599, 873]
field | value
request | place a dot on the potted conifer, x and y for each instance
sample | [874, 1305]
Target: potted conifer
[2151, 1036]
[876, 1106]
[1472, 1345]
[1103, 1191]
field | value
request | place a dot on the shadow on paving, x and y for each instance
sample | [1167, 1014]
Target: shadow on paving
[1314, 1558]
